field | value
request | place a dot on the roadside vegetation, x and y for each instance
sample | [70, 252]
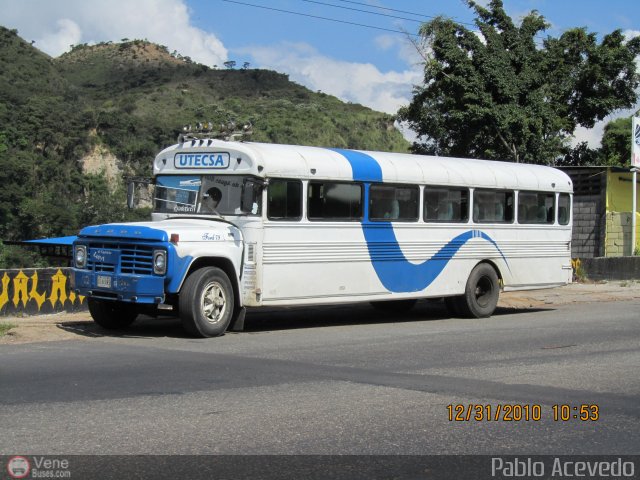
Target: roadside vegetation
[129, 100]
[5, 327]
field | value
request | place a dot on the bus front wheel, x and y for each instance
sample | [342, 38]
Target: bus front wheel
[206, 302]
[112, 315]
[481, 293]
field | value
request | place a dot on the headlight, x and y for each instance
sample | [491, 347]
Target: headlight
[159, 262]
[80, 256]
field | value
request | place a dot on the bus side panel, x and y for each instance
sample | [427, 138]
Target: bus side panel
[539, 257]
[313, 262]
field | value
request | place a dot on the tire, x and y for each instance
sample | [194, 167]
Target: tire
[397, 306]
[206, 302]
[481, 293]
[112, 315]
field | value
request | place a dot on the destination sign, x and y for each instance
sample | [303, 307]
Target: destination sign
[218, 160]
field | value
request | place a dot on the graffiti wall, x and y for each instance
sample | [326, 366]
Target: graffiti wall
[34, 291]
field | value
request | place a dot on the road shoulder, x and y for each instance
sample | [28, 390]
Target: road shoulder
[78, 325]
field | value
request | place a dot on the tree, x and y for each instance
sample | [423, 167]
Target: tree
[580, 155]
[616, 142]
[230, 64]
[498, 93]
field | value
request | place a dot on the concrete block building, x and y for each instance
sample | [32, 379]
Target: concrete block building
[602, 212]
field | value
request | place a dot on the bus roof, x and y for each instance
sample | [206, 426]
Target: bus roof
[294, 161]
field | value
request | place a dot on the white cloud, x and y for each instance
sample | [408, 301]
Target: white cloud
[67, 33]
[55, 25]
[406, 50]
[356, 82]
[593, 136]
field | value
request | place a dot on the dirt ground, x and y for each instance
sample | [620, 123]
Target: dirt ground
[64, 326]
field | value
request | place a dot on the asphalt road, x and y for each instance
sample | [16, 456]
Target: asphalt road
[340, 380]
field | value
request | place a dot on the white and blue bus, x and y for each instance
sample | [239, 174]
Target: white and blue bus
[242, 225]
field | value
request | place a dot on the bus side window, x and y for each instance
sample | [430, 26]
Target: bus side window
[492, 206]
[564, 208]
[536, 208]
[393, 202]
[444, 204]
[284, 200]
[334, 201]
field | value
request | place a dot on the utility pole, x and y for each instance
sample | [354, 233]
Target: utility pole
[635, 164]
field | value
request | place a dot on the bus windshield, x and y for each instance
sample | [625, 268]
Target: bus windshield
[207, 194]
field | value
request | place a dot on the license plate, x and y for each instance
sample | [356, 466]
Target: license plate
[103, 281]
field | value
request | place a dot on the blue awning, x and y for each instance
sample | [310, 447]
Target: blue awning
[54, 241]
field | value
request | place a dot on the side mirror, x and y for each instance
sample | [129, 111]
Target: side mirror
[248, 194]
[132, 201]
[249, 202]
[131, 193]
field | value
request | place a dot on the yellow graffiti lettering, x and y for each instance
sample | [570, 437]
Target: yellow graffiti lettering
[4, 297]
[33, 293]
[58, 288]
[73, 297]
[20, 289]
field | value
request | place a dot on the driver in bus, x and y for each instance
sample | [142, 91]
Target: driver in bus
[210, 200]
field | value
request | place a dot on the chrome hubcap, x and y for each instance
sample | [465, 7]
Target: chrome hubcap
[214, 302]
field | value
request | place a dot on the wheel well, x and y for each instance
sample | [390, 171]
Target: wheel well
[223, 264]
[495, 267]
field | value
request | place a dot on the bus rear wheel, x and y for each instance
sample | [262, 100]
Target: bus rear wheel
[481, 293]
[206, 302]
[112, 315]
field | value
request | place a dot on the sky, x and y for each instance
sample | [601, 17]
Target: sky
[357, 50]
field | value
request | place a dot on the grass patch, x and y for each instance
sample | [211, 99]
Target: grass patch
[5, 327]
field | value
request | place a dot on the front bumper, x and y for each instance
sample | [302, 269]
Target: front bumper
[122, 287]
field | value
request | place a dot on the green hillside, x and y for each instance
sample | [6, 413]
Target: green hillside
[41, 138]
[144, 86]
[71, 127]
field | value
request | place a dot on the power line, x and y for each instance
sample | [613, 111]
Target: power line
[432, 17]
[386, 8]
[402, 32]
[363, 11]
[321, 18]
[401, 11]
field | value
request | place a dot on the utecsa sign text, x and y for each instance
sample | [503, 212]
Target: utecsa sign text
[202, 160]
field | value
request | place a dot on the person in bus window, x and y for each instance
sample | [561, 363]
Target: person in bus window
[210, 200]
[393, 212]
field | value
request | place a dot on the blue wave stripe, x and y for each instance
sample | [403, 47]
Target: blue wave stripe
[364, 167]
[400, 275]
